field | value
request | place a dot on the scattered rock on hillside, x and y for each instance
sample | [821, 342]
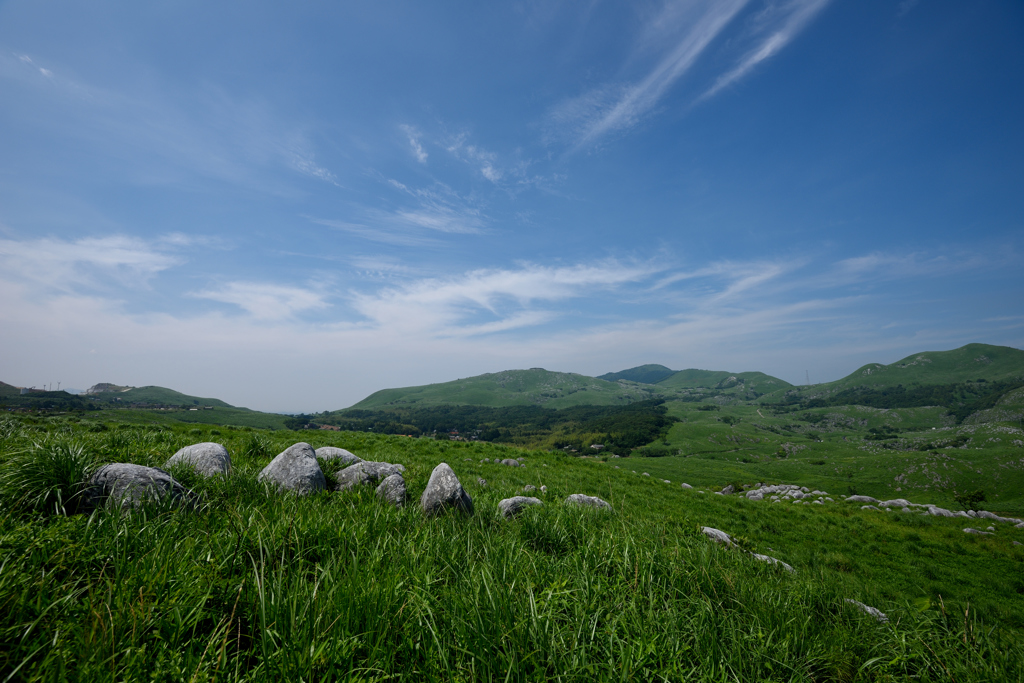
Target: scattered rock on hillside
[337, 456]
[124, 485]
[511, 463]
[861, 499]
[510, 507]
[482, 482]
[871, 611]
[718, 536]
[869, 507]
[528, 488]
[295, 469]
[772, 560]
[582, 500]
[728, 490]
[646, 474]
[207, 459]
[969, 530]
[686, 486]
[365, 472]
[392, 490]
[445, 492]
[543, 489]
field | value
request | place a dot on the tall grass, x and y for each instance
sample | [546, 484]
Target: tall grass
[48, 477]
[256, 586]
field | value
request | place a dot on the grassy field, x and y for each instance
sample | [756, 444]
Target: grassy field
[257, 586]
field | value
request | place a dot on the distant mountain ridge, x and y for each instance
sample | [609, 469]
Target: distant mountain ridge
[645, 374]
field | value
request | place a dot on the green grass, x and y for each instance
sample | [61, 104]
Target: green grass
[255, 586]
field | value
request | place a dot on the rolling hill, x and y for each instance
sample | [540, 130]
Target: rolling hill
[535, 386]
[150, 395]
[645, 374]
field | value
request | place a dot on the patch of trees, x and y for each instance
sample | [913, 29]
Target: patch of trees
[961, 399]
[618, 428]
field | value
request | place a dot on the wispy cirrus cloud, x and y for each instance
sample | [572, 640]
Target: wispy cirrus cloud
[611, 108]
[266, 301]
[414, 138]
[491, 300]
[772, 29]
[92, 262]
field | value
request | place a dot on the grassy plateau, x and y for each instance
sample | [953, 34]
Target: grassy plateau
[253, 585]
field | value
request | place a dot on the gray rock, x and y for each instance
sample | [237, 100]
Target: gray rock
[482, 482]
[207, 459]
[666, 481]
[861, 499]
[444, 492]
[486, 460]
[718, 536]
[295, 469]
[124, 485]
[772, 560]
[871, 611]
[895, 503]
[582, 500]
[728, 489]
[392, 490]
[969, 530]
[868, 507]
[543, 489]
[646, 474]
[817, 502]
[528, 488]
[1019, 526]
[985, 514]
[686, 486]
[510, 462]
[365, 472]
[337, 457]
[1018, 543]
[755, 496]
[511, 507]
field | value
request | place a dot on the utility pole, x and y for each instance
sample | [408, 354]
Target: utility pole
[808, 372]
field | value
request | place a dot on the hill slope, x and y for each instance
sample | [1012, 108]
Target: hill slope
[645, 374]
[535, 386]
[965, 364]
[154, 396]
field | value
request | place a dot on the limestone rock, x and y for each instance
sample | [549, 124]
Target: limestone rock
[295, 469]
[871, 611]
[686, 486]
[772, 560]
[207, 459]
[445, 492]
[543, 489]
[510, 462]
[511, 507]
[969, 530]
[528, 488]
[337, 456]
[718, 536]
[582, 500]
[392, 490]
[728, 489]
[482, 482]
[124, 485]
[365, 472]
[861, 499]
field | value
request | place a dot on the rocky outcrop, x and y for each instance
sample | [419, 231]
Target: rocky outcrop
[365, 472]
[295, 469]
[718, 536]
[125, 485]
[511, 507]
[208, 459]
[511, 463]
[444, 492]
[581, 500]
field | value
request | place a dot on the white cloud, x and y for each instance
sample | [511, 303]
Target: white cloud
[611, 108]
[89, 261]
[775, 27]
[266, 301]
[484, 161]
[414, 142]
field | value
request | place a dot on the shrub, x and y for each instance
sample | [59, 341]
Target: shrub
[50, 477]
[972, 500]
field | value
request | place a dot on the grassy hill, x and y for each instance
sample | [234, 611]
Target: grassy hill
[645, 374]
[535, 386]
[258, 586]
[155, 396]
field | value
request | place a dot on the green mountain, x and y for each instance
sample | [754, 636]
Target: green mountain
[717, 379]
[965, 364]
[112, 393]
[535, 386]
[645, 374]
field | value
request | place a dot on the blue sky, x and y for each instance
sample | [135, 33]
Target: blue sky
[292, 206]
